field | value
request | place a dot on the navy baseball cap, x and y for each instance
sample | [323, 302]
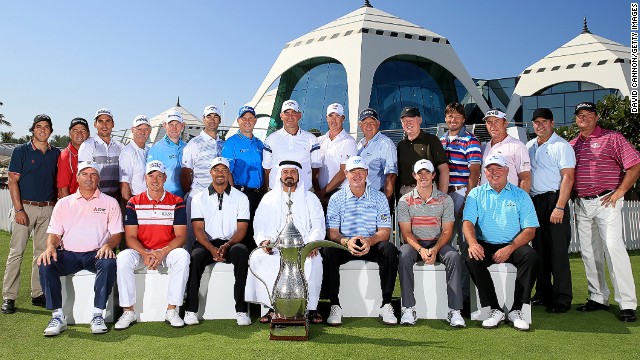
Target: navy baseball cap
[245, 109]
[366, 113]
[80, 121]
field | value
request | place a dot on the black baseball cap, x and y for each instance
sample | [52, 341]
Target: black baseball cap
[411, 111]
[589, 106]
[542, 113]
[80, 121]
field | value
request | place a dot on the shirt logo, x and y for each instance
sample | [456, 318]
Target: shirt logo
[384, 217]
[511, 204]
[595, 145]
[98, 210]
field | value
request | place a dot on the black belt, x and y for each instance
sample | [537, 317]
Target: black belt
[245, 188]
[545, 194]
[591, 197]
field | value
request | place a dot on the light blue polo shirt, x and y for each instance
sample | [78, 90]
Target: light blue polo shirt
[358, 216]
[499, 217]
[170, 154]
[382, 158]
[546, 162]
[245, 160]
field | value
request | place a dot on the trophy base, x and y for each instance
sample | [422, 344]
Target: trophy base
[289, 329]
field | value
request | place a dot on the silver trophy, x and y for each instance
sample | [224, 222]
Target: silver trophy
[289, 294]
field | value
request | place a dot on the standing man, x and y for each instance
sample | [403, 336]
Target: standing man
[419, 145]
[336, 146]
[156, 230]
[379, 153]
[358, 217]
[607, 166]
[168, 150]
[196, 162]
[244, 152]
[292, 143]
[104, 151]
[552, 169]
[85, 229]
[425, 216]
[271, 218]
[68, 161]
[499, 222]
[510, 148]
[133, 159]
[32, 186]
[220, 216]
[465, 160]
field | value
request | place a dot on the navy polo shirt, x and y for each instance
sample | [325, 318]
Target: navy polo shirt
[37, 171]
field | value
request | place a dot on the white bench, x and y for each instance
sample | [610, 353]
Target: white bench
[78, 295]
[360, 293]
[431, 291]
[216, 292]
[151, 293]
[504, 279]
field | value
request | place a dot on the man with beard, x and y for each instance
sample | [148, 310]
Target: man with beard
[68, 161]
[133, 159]
[270, 219]
[220, 215]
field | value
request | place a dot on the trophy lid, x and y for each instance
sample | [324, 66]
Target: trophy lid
[289, 236]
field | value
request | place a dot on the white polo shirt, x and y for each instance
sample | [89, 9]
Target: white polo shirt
[334, 153]
[302, 147]
[197, 156]
[546, 162]
[516, 154]
[220, 219]
[132, 166]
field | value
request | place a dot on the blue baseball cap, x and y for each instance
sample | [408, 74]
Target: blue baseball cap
[366, 113]
[245, 109]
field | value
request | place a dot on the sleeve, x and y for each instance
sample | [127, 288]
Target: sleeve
[627, 155]
[473, 151]
[17, 160]
[55, 225]
[349, 150]
[402, 210]
[126, 166]
[267, 154]
[438, 154]
[114, 225]
[243, 209]
[383, 220]
[154, 153]
[470, 212]
[316, 217]
[85, 152]
[523, 163]
[262, 223]
[229, 153]
[188, 154]
[567, 156]
[527, 212]
[334, 219]
[316, 154]
[196, 206]
[180, 213]
[390, 159]
[130, 214]
[63, 179]
[448, 215]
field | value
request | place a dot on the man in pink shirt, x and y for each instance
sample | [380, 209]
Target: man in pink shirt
[607, 166]
[84, 229]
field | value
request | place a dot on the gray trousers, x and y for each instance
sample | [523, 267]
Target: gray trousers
[452, 262]
[458, 200]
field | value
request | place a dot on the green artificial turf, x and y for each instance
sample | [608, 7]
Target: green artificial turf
[598, 335]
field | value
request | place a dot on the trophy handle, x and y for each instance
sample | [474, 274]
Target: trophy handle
[309, 247]
[256, 275]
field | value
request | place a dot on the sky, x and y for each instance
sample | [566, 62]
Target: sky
[69, 58]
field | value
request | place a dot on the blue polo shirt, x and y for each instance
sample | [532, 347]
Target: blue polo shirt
[37, 171]
[499, 217]
[170, 154]
[358, 216]
[381, 157]
[245, 160]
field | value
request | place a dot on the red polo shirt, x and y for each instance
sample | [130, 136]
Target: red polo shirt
[68, 169]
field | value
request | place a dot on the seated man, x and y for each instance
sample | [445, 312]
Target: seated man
[358, 218]
[425, 216]
[499, 221]
[84, 229]
[220, 217]
[155, 228]
[270, 219]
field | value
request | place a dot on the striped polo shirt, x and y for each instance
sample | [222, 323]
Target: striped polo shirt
[499, 216]
[302, 147]
[380, 155]
[462, 150]
[107, 157]
[601, 159]
[362, 215]
[425, 215]
[197, 156]
[155, 219]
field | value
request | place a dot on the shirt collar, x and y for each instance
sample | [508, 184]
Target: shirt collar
[35, 148]
[209, 137]
[72, 149]
[462, 133]
[507, 187]
[151, 199]
[213, 191]
[286, 133]
[99, 140]
[95, 195]
[596, 132]
[169, 142]
[350, 194]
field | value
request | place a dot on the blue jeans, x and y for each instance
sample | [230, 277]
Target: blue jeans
[69, 263]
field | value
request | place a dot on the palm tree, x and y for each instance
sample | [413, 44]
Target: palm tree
[2, 120]
[7, 136]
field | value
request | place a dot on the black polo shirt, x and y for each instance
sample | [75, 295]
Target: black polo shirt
[425, 146]
[37, 172]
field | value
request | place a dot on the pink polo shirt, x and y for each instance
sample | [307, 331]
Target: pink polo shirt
[85, 225]
[601, 159]
[516, 154]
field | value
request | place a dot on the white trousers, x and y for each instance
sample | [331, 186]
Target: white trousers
[129, 260]
[600, 234]
[267, 267]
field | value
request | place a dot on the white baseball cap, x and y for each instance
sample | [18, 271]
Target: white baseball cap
[423, 164]
[220, 160]
[155, 165]
[290, 105]
[103, 111]
[211, 110]
[497, 112]
[335, 108]
[356, 162]
[140, 120]
[495, 159]
[87, 164]
[173, 116]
